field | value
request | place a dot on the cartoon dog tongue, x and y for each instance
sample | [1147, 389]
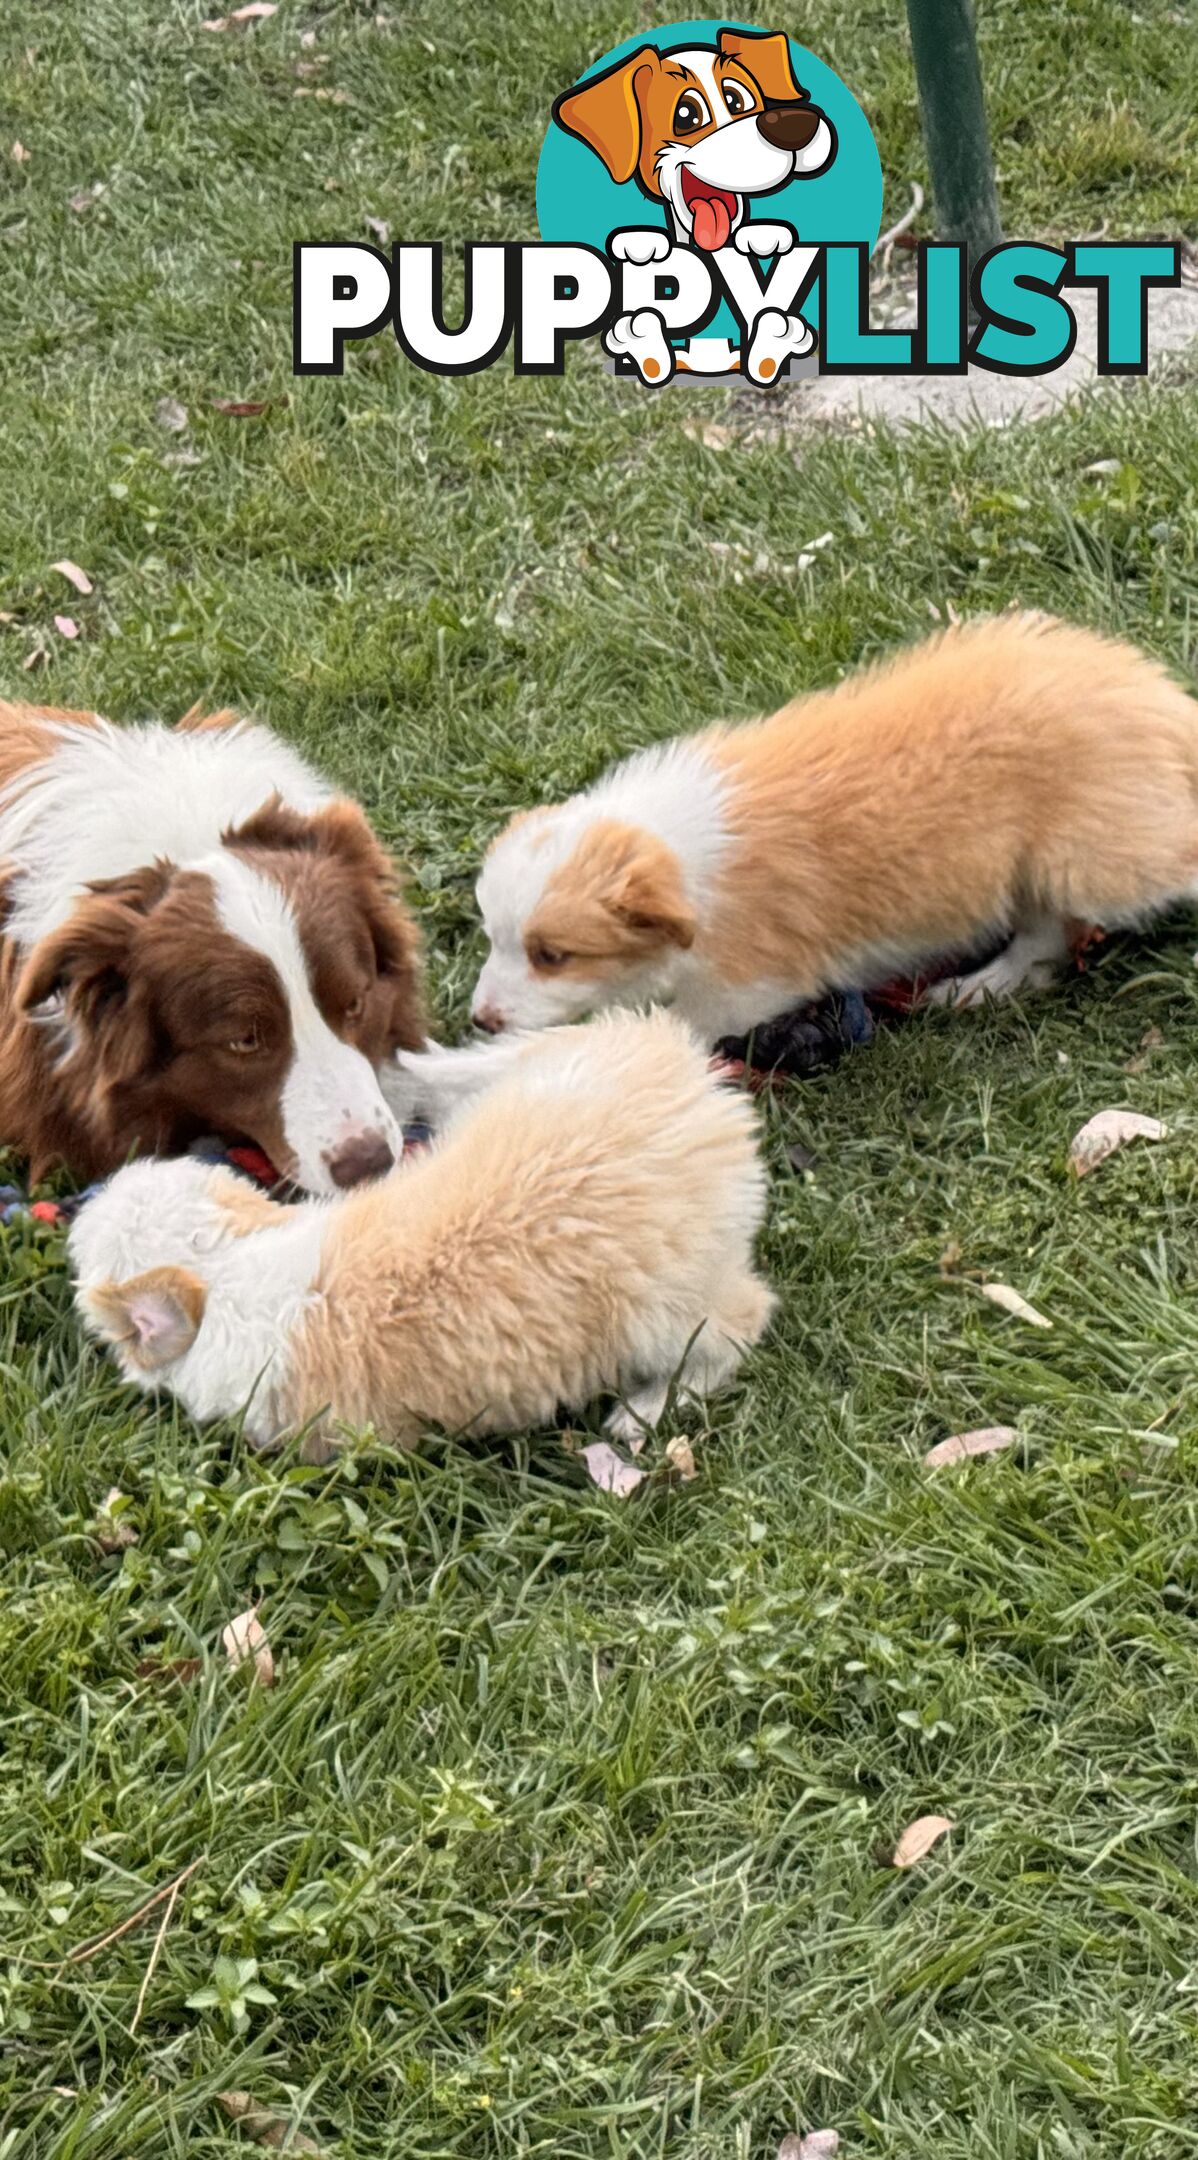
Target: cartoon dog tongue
[711, 220]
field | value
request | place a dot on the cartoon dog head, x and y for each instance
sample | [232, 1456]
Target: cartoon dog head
[703, 127]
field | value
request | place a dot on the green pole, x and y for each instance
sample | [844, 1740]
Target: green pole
[954, 123]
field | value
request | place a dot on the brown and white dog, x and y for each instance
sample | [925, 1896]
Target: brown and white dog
[1013, 775]
[198, 936]
[586, 1228]
[704, 130]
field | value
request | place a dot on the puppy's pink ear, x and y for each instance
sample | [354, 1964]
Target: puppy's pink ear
[650, 899]
[152, 1319]
[604, 112]
[765, 55]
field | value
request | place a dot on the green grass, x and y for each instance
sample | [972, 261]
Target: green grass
[564, 1830]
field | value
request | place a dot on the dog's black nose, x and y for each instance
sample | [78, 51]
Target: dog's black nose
[789, 127]
[366, 1155]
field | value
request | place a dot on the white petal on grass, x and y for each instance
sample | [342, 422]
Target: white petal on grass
[987, 1440]
[66, 626]
[817, 2145]
[918, 1839]
[1108, 1130]
[73, 575]
[609, 1471]
[1001, 1293]
[171, 415]
[245, 1642]
[256, 11]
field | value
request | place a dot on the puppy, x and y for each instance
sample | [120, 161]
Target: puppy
[1015, 774]
[586, 1228]
[197, 936]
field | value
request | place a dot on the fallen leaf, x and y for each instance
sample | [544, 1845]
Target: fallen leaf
[181, 459]
[35, 659]
[66, 626]
[254, 11]
[1103, 465]
[265, 2127]
[308, 38]
[240, 408]
[20, 155]
[1110, 1129]
[73, 575]
[245, 1639]
[381, 230]
[681, 1458]
[171, 415]
[180, 1669]
[918, 1839]
[112, 1532]
[1001, 1293]
[817, 2145]
[86, 198]
[709, 433]
[609, 1471]
[987, 1440]
[1152, 1039]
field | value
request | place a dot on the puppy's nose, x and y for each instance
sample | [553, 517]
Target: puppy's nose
[789, 127]
[363, 1155]
[490, 1019]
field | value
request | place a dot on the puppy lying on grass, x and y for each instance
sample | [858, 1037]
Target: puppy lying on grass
[585, 1228]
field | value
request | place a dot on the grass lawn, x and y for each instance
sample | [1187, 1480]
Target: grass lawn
[564, 1830]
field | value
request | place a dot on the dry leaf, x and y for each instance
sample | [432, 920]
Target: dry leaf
[112, 1533]
[1104, 465]
[35, 659]
[171, 415]
[308, 38]
[255, 11]
[1102, 1134]
[66, 626]
[244, 1640]
[265, 2127]
[86, 197]
[609, 1471]
[73, 575]
[20, 155]
[987, 1440]
[918, 1839]
[1001, 1293]
[181, 1669]
[817, 2145]
[708, 432]
[240, 408]
[681, 1458]
[381, 230]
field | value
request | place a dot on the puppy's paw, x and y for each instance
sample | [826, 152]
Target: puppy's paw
[777, 338]
[762, 238]
[641, 1410]
[640, 244]
[642, 339]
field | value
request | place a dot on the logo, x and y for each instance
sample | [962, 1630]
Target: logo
[708, 197]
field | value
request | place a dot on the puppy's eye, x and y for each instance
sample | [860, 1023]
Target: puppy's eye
[547, 957]
[690, 113]
[736, 97]
[246, 1044]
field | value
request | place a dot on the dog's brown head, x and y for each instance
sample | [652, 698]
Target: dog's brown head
[254, 994]
[702, 127]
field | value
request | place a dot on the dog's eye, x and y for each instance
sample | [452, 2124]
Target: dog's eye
[690, 113]
[245, 1044]
[736, 97]
[547, 957]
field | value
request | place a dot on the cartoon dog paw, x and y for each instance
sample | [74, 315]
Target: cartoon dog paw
[763, 238]
[642, 339]
[776, 339]
[640, 244]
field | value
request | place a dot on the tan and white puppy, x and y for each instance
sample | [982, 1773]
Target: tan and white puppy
[704, 130]
[586, 1228]
[1015, 774]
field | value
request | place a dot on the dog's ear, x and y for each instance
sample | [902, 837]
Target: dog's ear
[766, 56]
[87, 958]
[152, 1319]
[604, 112]
[650, 899]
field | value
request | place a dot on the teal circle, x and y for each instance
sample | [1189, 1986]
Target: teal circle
[578, 200]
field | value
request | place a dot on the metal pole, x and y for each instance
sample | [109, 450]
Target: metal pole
[954, 123]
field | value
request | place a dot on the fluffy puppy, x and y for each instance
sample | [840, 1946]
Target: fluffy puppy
[585, 1228]
[1015, 774]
